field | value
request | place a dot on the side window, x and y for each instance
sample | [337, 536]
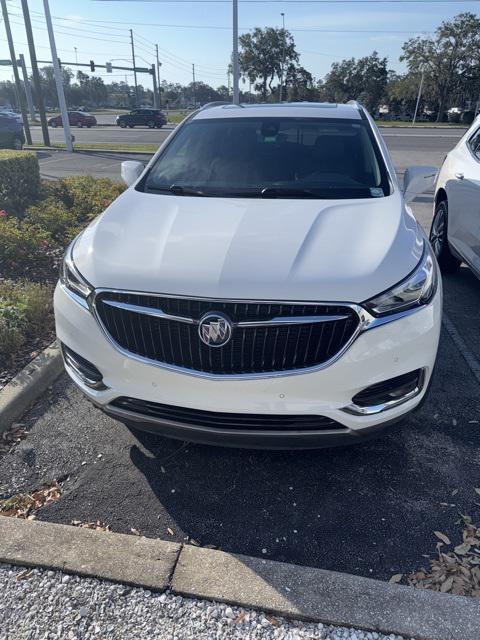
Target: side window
[474, 144]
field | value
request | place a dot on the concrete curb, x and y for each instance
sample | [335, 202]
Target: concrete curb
[284, 589]
[28, 385]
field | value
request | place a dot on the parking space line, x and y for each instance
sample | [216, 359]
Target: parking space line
[461, 345]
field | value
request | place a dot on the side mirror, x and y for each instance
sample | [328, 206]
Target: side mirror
[131, 170]
[418, 180]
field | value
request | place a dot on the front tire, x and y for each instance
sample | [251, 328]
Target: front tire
[53, 125]
[122, 125]
[151, 124]
[439, 239]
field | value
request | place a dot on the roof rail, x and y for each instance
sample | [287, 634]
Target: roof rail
[215, 103]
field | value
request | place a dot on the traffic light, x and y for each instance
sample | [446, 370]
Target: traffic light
[108, 67]
[92, 65]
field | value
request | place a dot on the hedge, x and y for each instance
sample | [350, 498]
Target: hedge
[19, 181]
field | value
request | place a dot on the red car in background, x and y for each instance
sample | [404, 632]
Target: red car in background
[75, 118]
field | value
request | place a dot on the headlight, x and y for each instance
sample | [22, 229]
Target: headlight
[415, 290]
[71, 278]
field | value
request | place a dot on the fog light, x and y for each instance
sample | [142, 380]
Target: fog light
[83, 369]
[387, 394]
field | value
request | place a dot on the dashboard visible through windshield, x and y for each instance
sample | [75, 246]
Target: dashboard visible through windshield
[271, 158]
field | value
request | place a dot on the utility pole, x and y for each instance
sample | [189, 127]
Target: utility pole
[134, 68]
[155, 92]
[58, 79]
[419, 96]
[194, 87]
[283, 56]
[16, 77]
[236, 71]
[35, 73]
[228, 81]
[26, 84]
[159, 64]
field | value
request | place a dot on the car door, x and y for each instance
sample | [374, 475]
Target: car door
[463, 190]
[4, 130]
[135, 117]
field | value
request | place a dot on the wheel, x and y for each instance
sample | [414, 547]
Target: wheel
[151, 124]
[439, 239]
[53, 124]
[89, 126]
[131, 126]
[79, 125]
[122, 124]
[17, 143]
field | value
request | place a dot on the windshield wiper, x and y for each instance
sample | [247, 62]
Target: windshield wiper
[286, 192]
[179, 190]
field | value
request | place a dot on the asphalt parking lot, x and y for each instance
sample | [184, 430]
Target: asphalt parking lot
[369, 509]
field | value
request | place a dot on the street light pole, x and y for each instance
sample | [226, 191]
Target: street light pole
[134, 68]
[16, 76]
[419, 96]
[236, 70]
[35, 73]
[283, 56]
[58, 79]
[194, 87]
[159, 64]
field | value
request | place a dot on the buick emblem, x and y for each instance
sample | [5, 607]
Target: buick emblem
[215, 329]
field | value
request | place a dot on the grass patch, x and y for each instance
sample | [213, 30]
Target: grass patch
[105, 146]
[420, 125]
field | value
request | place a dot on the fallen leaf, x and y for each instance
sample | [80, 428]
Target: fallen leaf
[24, 574]
[135, 532]
[169, 531]
[396, 578]
[462, 549]
[447, 585]
[273, 621]
[441, 536]
[240, 617]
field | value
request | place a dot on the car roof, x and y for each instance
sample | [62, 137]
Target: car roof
[350, 111]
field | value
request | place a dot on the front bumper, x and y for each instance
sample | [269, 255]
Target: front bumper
[377, 354]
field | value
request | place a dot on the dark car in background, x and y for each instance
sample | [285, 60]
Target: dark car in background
[11, 132]
[75, 119]
[152, 118]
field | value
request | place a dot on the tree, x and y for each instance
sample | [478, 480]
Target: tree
[261, 56]
[364, 79]
[448, 58]
[49, 87]
[299, 84]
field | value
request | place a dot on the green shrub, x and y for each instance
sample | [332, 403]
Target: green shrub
[52, 216]
[84, 196]
[19, 181]
[26, 250]
[25, 311]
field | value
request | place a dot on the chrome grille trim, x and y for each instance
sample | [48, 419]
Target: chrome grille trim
[366, 321]
[158, 313]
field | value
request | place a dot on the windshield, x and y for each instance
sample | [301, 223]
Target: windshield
[274, 157]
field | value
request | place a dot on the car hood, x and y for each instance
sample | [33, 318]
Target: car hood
[278, 249]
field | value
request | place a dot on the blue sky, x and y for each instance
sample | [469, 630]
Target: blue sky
[199, 31]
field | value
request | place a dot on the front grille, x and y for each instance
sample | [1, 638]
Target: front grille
[260, 349]
[218, 420]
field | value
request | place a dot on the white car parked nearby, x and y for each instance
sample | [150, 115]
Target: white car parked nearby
[261, 283]
[455, 232]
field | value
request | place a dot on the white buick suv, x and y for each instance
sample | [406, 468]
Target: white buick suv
[261, 283]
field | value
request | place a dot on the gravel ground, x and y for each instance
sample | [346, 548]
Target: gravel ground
[49, 605]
